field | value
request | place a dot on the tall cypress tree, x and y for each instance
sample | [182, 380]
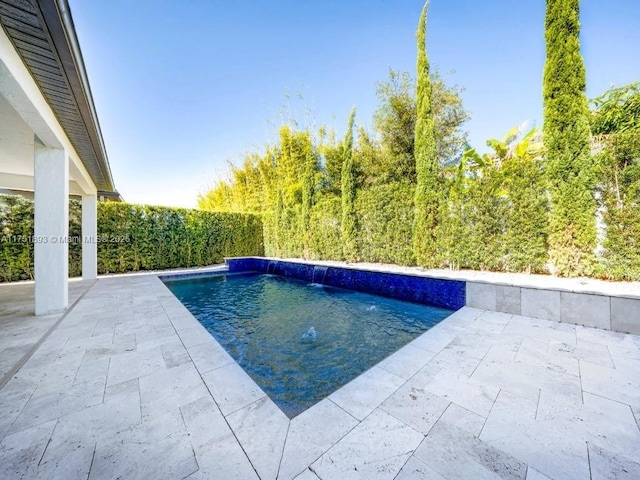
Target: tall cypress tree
[349, 242]
[426, 198]
[569, 168]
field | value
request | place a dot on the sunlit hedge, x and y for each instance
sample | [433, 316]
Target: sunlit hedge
[132, 237]
[385, 218]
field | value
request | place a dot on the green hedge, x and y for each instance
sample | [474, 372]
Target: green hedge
[132, 237]
[619, 163]
[325, 239]
[472, 222]
[495, 222]
[385, 217]
[16, 224]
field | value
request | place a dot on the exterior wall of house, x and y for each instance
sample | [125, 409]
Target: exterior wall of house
[36, 154]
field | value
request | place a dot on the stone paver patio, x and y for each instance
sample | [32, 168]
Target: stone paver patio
[130, 385]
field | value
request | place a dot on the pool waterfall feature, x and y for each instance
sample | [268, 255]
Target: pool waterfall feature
[443, 293]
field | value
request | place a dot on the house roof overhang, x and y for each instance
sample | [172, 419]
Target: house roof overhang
[43, 34]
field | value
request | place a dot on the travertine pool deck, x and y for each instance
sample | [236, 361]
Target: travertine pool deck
[130, 385]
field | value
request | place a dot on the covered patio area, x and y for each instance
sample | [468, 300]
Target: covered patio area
[51, 145]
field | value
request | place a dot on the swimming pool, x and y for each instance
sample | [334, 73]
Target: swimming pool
[300, 341]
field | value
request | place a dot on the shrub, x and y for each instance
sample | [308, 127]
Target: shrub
[132, 237]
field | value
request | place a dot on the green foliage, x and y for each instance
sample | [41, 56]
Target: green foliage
[525, 234]
[16, 226]
[395, 124]
[349, 227]
[385, 217]
[617, 110]
[143, 237]
[412, 191]
[75, 233]
[472, 214]
[472, 223]
[132, 237]
[569, 165]
[325, 229]
[426, 197]
[616, 121]
[308, 187]
[493, 216]
[332, 154]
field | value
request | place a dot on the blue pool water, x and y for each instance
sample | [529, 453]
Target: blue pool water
[300, 342]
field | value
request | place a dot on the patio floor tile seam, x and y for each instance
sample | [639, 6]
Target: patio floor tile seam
[242, 407]
[358, 422]
[93, 457]
[581, 386]
[193, 449]
[479, 363]
[284, 446]
[589, 459]
[489, 413]
[405, 423]
[612, 400]
[535, 417]
[637, 419]
[104, 392]
[44, 450]
[5, 379]
[224, 417]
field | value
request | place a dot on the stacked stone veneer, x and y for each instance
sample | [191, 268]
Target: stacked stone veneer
[617, 313]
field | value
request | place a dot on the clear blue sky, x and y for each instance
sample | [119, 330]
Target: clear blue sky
[181, 88]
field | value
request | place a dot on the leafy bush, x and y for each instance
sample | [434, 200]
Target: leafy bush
[385, 216]
[132, 237]
[324, 229]
[615, 122]
[16, 223]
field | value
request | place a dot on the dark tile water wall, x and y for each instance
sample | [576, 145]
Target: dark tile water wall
[432, 291]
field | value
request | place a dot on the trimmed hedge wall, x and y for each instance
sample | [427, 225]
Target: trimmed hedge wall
[132, 237]
[385, 217]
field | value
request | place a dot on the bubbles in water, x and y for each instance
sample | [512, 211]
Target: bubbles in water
[310, 335]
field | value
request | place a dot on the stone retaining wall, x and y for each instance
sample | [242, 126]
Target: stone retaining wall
[619, 314]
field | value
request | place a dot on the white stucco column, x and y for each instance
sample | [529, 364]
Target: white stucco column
[51, 227]
[89, 236]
